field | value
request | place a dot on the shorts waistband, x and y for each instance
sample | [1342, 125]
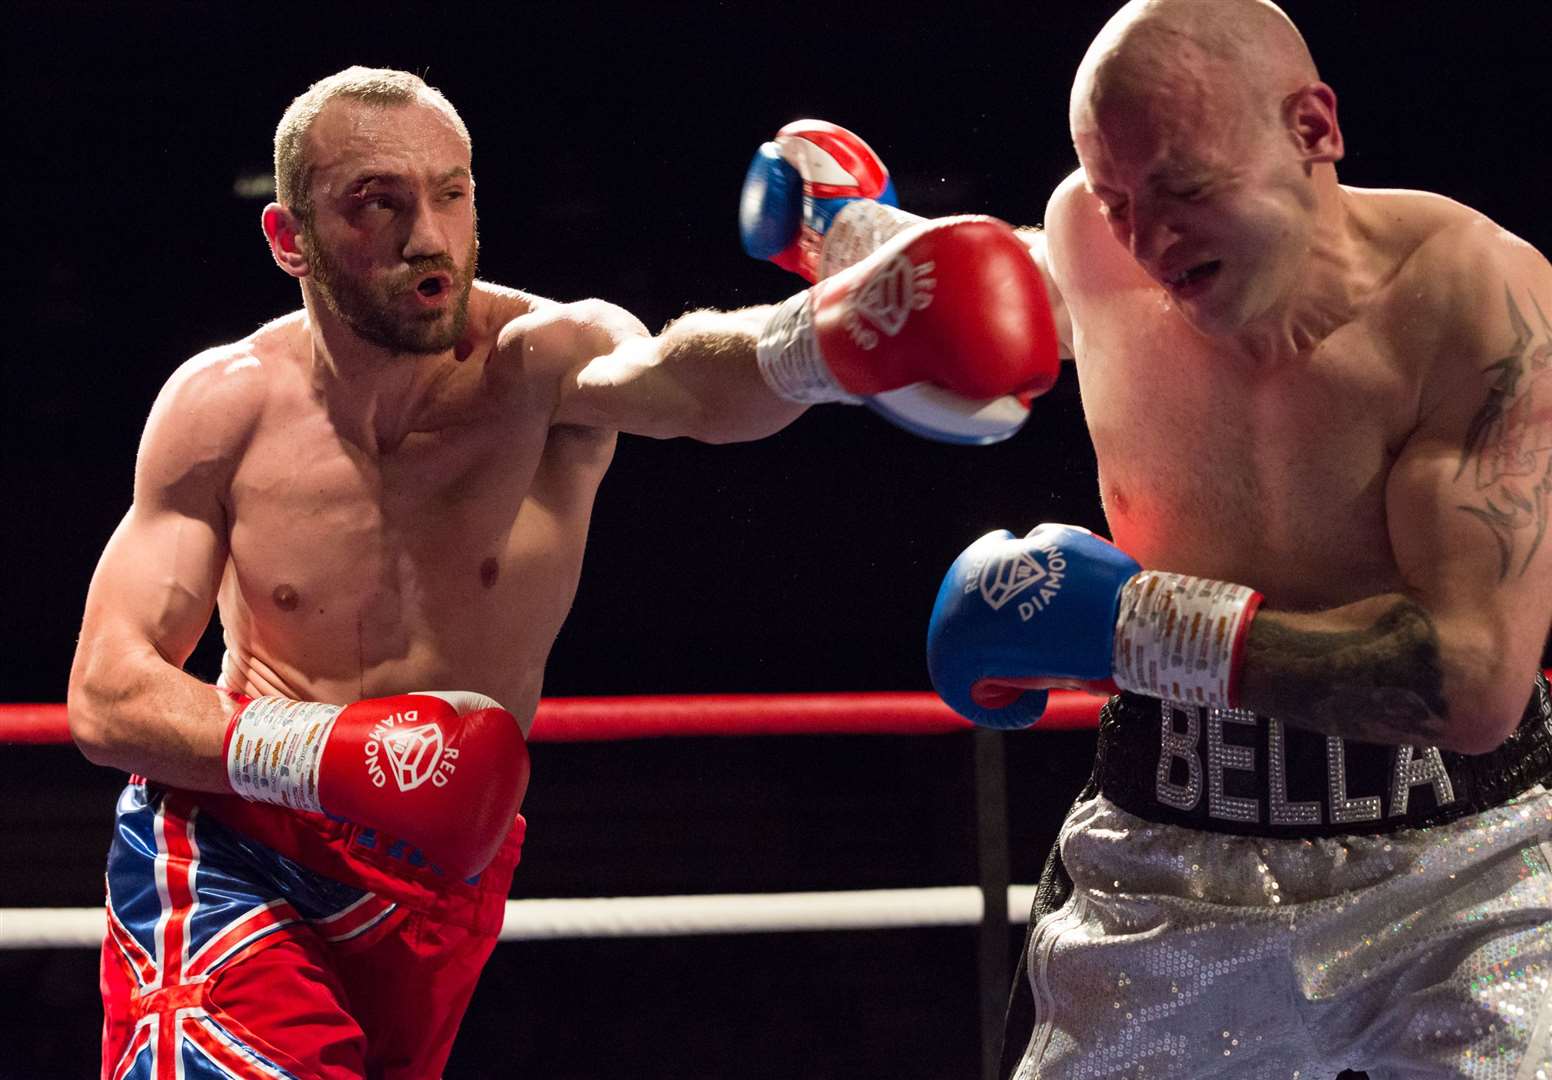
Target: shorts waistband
[363, 857]
[1234, 771]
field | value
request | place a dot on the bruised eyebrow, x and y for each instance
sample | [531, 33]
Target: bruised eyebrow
[365, 180]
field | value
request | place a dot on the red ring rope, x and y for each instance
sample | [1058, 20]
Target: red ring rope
[599, 719]
[605, 719]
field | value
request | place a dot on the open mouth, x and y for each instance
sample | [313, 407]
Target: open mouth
[1193, 274]
[432, 286]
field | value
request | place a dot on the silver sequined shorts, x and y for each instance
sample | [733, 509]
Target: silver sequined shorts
[1416, 954]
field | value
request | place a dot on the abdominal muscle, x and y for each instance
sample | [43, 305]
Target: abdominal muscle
[391, 642]
[362, 583]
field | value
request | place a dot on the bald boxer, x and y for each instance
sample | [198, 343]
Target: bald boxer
[386, 494]
[1318, 833]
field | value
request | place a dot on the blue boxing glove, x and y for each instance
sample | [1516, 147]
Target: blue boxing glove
[1063, 607]
[1041, 609]
[798, 183]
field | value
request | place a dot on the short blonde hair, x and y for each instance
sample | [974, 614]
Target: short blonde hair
[376, 86]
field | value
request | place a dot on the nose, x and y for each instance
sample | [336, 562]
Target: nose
[1151, 234]
[426, 233]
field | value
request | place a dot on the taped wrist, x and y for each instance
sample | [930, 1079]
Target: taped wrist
[858, 230]
[1181, 638]
[274, 748]
[788, 354]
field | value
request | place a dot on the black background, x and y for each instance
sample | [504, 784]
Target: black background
[609, 146]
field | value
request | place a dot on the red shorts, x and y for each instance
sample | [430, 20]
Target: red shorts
[247, 940]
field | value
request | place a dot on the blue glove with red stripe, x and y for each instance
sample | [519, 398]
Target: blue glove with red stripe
[817, 200]
[798, 183]
[1016, 616]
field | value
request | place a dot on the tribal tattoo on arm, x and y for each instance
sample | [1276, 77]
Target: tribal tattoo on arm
[1382, 682]
[1508, 447]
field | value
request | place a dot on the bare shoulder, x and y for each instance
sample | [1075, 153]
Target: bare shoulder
[1083, 255]
[210, 405]
[1481, 287]
[1469, 305]
[1071, 195]
[1440, 246]
[557, 338]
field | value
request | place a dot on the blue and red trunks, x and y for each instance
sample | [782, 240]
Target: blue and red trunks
[247, 940]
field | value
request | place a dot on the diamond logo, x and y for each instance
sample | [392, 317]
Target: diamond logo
[1009, 577]
[413, 754]
[896, 289]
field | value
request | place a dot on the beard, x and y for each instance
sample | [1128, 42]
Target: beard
[373, 310]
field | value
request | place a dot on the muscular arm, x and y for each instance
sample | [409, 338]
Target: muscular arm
[1448, 661]
[698, 378]
[131, 706]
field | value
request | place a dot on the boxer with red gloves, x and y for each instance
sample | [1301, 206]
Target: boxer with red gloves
[391, 489]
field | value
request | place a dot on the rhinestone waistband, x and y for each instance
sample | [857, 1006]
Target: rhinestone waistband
[1231, 770]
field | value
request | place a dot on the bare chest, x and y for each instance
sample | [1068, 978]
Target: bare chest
[449, 562]
[338, 518]
[1271, 476]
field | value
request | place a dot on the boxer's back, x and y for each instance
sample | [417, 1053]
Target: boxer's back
[371, 555]
[1215, 464]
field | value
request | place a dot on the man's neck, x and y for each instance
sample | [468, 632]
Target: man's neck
[1337, 276]
[373, 395]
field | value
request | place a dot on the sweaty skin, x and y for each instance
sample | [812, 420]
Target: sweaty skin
[1345, 401]
[372, 518]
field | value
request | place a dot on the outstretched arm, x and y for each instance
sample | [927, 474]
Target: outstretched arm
[1448, 660]
[937, 330]
[698, 378]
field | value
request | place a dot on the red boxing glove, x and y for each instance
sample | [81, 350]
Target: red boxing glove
[956, 302]
[446, 771]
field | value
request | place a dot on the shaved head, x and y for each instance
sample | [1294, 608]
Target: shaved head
[1210, 145]
[1244, 56]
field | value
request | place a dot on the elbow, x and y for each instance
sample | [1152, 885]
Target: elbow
[1488, 684]
[1484, 714]
[88, 727]
[88, 709]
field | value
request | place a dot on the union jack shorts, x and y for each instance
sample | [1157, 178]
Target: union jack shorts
[228, 957]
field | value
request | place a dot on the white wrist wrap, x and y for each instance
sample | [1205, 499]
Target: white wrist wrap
[1179, 637]
[788, 353]
[861, 228]
[274, 750]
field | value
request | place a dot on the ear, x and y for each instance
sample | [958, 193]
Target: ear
[1309, 114]
[283, 230]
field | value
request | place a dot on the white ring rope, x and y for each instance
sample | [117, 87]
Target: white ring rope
[630, 916]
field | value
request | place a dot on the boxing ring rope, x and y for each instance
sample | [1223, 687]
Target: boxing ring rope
[598, 719]
[632, 916]
[607, 719]
[993, 904]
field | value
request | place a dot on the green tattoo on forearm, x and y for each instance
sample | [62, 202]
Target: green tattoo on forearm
[1382, 683]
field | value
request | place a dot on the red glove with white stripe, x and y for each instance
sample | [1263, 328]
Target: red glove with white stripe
[955, 302]
[446, 771]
